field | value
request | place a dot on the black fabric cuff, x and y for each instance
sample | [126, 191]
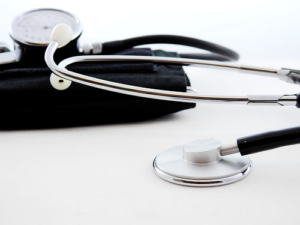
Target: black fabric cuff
[29, 100]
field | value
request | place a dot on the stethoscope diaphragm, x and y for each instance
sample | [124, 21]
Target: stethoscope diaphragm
[196, 164]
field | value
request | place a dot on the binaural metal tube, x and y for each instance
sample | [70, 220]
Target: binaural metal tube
[259, 70]
[147, 92]
[126, 89]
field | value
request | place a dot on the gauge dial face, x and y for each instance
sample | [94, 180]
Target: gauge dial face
[35, 27]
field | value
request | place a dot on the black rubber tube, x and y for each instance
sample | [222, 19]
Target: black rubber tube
[269, 140]
[115, 46]
[298, 101]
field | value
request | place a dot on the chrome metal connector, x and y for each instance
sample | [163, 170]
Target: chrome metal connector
[276, 100]
[291, 76]
[4, 47]
[229, 149]
[94, 48]
[6, 56]
[287, 100]
[191, 89]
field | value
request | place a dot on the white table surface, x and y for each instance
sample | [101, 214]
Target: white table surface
[103, 174]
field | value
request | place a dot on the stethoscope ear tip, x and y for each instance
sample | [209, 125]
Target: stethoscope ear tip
[59, 83]
[61, 33]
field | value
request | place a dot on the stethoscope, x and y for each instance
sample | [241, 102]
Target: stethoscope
[205, 162]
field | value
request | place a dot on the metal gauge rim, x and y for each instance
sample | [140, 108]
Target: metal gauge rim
[169, 171]
[19, 39]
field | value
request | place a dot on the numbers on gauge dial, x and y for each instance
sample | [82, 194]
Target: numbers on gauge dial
[36, 27]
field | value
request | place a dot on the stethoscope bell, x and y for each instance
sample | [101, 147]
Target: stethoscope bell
[200, 164]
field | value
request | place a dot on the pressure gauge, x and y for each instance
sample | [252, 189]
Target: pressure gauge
[31, 31]
[34, 27]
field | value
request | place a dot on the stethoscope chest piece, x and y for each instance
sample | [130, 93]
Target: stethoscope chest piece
[200, 164]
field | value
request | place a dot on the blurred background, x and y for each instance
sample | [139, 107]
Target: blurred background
[66, 176]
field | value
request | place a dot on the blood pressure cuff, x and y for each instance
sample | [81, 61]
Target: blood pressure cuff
[29, 101]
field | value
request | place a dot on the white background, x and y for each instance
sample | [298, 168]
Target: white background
[103, 174]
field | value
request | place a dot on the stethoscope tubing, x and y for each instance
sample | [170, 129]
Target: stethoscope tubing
[219, 51]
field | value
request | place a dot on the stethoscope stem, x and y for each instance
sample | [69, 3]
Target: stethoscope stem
[229, 149]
